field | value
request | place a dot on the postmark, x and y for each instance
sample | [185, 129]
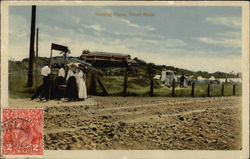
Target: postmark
[22, 132]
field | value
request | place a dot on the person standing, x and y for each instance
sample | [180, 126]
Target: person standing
[61, 75]
[182, 78]
[43, 90]
[81, 83]
[60, 81]
[46, 80]
[71, 90]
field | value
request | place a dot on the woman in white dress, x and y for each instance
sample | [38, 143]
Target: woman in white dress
[81, 84]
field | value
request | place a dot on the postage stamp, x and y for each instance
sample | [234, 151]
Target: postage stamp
[22, 132]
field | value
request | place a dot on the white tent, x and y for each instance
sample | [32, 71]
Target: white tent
[234, 80]
[170, 76]
[185, 83]
[211, 78]
[222, 80]
[163, 75]
[200, 79]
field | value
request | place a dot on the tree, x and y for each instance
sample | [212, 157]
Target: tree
[85, 52]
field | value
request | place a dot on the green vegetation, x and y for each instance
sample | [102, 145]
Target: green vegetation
[18, 71]
[17, 85]
[140, 86]
[180, 71]
[138, 81]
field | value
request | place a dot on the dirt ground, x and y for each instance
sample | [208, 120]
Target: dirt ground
[140, 123]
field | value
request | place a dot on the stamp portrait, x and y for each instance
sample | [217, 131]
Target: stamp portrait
[22, 132]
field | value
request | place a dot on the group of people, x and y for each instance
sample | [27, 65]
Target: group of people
[71, 87]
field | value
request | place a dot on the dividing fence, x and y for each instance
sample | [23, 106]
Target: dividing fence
[194, 90]
[147, 85]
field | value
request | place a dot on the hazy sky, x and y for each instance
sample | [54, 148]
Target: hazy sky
[195, 38]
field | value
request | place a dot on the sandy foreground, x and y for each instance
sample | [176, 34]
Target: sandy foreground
[140, 123]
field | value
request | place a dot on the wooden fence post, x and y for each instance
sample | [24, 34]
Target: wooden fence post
[151, 76]
[93, 83]
[192, 94]
[125, 83]
[173, 87]
[234, 90]
[208, 90]
[222, 90]
[151, 87]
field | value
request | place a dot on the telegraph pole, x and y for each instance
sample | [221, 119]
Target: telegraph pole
[36, 57]
[32, 51]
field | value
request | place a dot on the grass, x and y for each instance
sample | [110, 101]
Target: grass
[137, 86]
[17, 85]
[114, 84]
[140, 86]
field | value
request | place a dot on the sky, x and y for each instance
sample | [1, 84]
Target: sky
[198, 38]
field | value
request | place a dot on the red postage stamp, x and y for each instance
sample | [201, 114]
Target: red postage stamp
[22, 132]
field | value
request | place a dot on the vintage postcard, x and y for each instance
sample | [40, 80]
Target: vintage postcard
[136, 79]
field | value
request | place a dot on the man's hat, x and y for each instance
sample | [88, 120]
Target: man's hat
[71, 65]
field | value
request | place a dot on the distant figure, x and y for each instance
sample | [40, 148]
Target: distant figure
[43, 90]
[182, 79]
[71, 91]
[60, 81]
[163, 75]
[81, 83]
